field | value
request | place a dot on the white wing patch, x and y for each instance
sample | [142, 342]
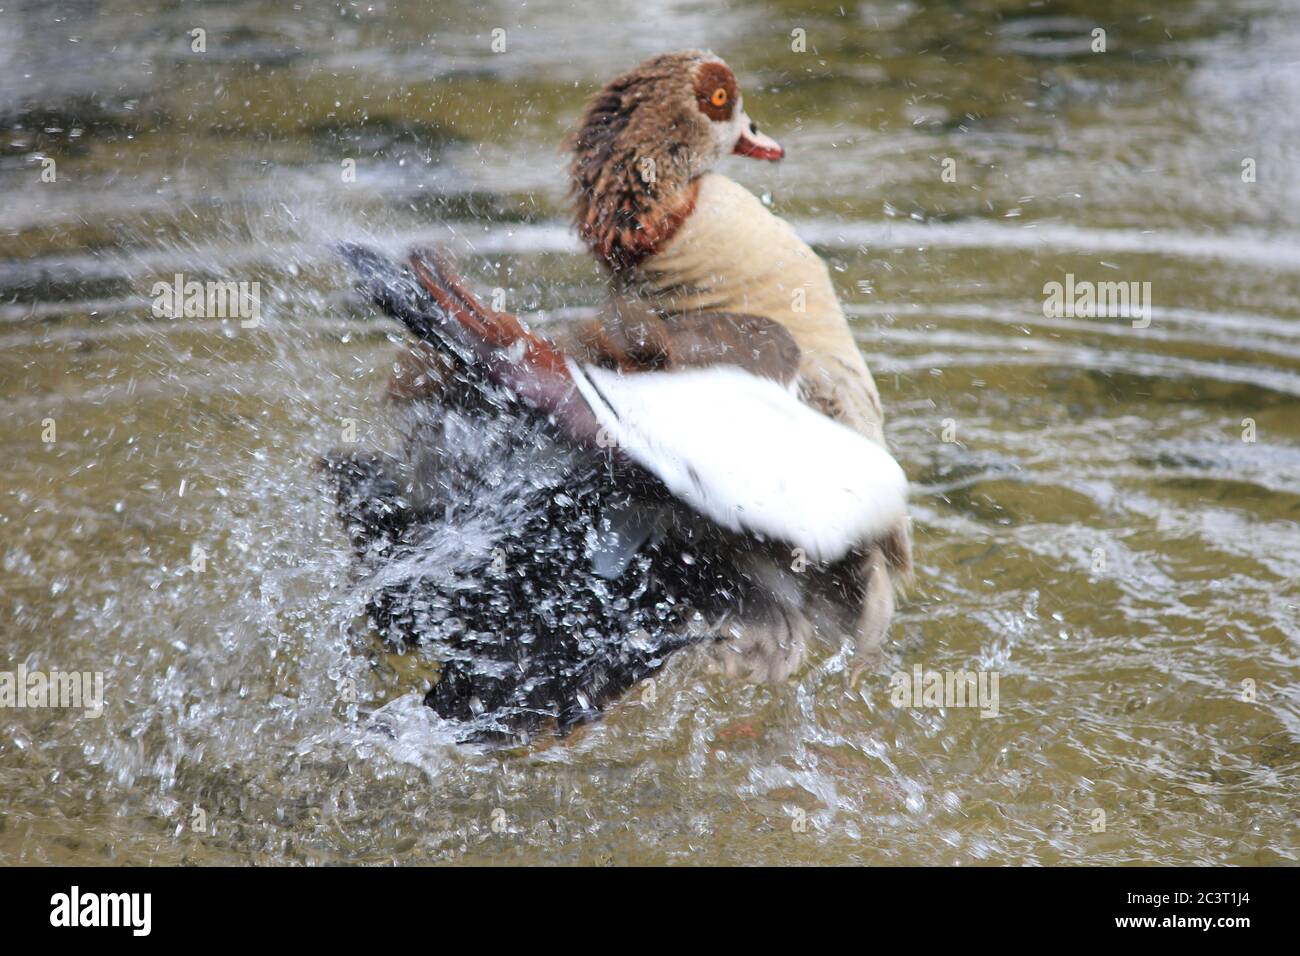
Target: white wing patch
[749, 455]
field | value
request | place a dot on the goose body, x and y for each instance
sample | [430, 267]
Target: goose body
[733, 255]
[717, 435]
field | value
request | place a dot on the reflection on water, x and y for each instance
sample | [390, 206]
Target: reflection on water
[1097, 530]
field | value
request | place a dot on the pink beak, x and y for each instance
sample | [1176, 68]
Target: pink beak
[754, 144]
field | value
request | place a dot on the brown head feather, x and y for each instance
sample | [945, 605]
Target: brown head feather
[644, 140]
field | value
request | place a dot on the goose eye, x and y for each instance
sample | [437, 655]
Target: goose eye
[719, 97]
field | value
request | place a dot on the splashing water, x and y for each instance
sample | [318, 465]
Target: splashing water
[1098, 531]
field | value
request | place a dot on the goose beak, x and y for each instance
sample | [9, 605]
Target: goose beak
[754, 144]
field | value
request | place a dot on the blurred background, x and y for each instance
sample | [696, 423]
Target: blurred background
[1090, 522]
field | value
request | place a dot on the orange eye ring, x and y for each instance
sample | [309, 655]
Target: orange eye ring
[719, 97]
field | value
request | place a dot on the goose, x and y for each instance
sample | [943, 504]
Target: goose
[703, 462]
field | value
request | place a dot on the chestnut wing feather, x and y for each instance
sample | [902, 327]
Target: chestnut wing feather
[635, 338]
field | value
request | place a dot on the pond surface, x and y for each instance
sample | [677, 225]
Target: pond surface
[1107, 517]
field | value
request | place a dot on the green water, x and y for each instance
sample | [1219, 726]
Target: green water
[1097, 531]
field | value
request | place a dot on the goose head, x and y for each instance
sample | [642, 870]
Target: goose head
[644, 141]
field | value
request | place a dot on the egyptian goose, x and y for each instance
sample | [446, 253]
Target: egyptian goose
[712, 452]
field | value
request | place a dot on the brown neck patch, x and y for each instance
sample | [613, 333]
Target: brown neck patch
[624, 232]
